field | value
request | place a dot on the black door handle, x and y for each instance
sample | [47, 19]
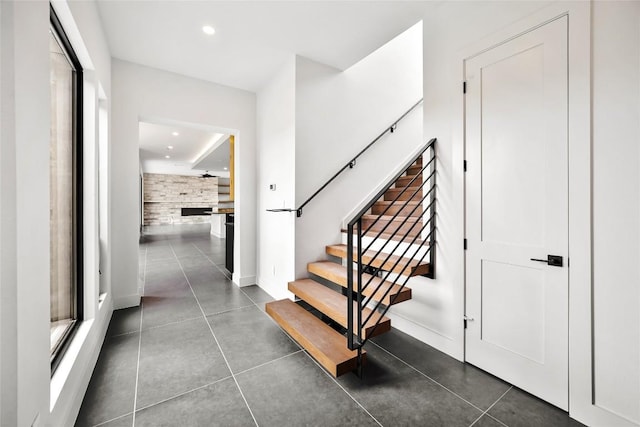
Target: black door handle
[553, 260]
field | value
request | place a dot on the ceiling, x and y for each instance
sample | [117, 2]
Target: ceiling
[193, 150]
[253, 39]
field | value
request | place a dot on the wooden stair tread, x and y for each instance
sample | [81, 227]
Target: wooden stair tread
[409, 191]
[337, 274]
[325, 344]
[387, 218]
[405, 266]
[334, 305]
[388, 236]
[390, 202]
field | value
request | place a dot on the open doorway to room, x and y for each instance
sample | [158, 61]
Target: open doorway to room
[186, 191]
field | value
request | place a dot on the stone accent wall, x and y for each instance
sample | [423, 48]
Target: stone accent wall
[166, 195]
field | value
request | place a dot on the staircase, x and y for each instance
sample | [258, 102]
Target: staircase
[393, 236]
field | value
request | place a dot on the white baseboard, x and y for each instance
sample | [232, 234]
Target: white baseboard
[243, 281]
[427, 336]
[221, 235]
[276, 290]
[126, 301]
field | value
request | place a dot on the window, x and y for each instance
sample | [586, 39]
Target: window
[65, 181]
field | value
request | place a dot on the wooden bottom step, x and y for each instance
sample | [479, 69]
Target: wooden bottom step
[325, 344]
[337, 274]
[334, 305]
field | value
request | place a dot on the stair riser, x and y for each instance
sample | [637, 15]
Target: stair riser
[407, 180]
[413, 170]
[379, 209]
[409, 227]
[391, 195]
[397, 248]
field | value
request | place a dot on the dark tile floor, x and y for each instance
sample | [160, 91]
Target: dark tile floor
[200, 351]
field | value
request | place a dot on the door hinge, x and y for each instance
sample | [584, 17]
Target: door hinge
[464, 87]
[466, 319]
[464, 165]
[465, 244]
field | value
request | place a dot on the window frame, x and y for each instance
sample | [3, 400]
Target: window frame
[77, 193]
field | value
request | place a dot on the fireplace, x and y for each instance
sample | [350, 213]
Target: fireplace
[195, 211]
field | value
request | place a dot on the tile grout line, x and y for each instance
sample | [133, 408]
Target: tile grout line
[213, 263]
[343, 389]
[267, 363]
[144, 283]
[150, 328]
[135, 395]
[184, 393]
[492, 405]
[496, 420]
[112, 419]
[393, 355]
[270, 318]
[314, 361]
[426, 376]
[214, 337]
[144, 276]
[245, 294]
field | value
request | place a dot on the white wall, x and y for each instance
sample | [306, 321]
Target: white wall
[276, 114]
[615, 196]
[142, 92]
[616, 206]
[8, 223]
[25, 102]
[338, 114]
[28, 392]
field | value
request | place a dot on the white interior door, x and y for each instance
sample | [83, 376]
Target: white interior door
[517, 210]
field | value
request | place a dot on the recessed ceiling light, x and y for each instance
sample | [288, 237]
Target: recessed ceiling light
[167, 157]
[225, 168]
[175, 133]
[209, 30]
[169, 147]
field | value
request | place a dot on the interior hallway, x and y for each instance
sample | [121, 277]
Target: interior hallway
[200, 351]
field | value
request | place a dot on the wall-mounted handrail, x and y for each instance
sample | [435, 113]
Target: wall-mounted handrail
[350, 164]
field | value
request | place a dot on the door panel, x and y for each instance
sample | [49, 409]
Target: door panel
[517, 209]
[515, 327]
[511, 190]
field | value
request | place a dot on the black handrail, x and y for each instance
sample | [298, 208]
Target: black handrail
[350, 164]
[355, 298]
